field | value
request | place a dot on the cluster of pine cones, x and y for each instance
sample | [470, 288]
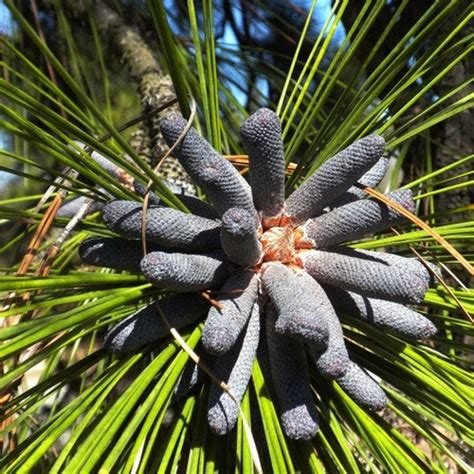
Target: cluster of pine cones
[275, 266]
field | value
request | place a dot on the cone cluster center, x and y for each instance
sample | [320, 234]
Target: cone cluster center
[284, 243]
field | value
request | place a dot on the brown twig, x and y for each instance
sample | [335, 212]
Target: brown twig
[242, 162]
[420, 223]
[206, 295]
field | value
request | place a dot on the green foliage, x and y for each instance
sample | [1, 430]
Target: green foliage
[122, 416]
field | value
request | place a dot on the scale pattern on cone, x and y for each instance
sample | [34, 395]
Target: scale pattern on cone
[270, 264]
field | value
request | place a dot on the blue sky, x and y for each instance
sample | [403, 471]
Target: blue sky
[6, 28]
[6, 25]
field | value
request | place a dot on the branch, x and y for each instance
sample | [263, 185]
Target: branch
[154, 86]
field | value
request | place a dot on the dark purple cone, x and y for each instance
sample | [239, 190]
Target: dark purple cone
[334, 360]
[299, 312]
[261, 134]
[185, 272]
[164, 226]
[223, 326]
[239, 237]
[362, 388]
[411, 264]
[289, 371]
[382, 313]
[70, 208]
[234, 368]
[115, 253]
[147, 325]
[221, 182]
[356, 220]
[368, 276]
[371, 179]
[334, 177]
[196, 206]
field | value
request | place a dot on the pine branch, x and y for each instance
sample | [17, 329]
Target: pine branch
[154, 87]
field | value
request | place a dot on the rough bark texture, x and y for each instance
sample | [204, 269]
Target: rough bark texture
[456, 137]
[154, 89]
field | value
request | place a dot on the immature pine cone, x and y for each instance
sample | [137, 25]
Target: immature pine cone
[277, 267]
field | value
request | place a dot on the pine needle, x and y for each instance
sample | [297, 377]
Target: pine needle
[150, 182]
[197, 360]
[420, 223]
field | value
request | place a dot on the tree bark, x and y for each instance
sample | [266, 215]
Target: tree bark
[455, 136]
[154, 87]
